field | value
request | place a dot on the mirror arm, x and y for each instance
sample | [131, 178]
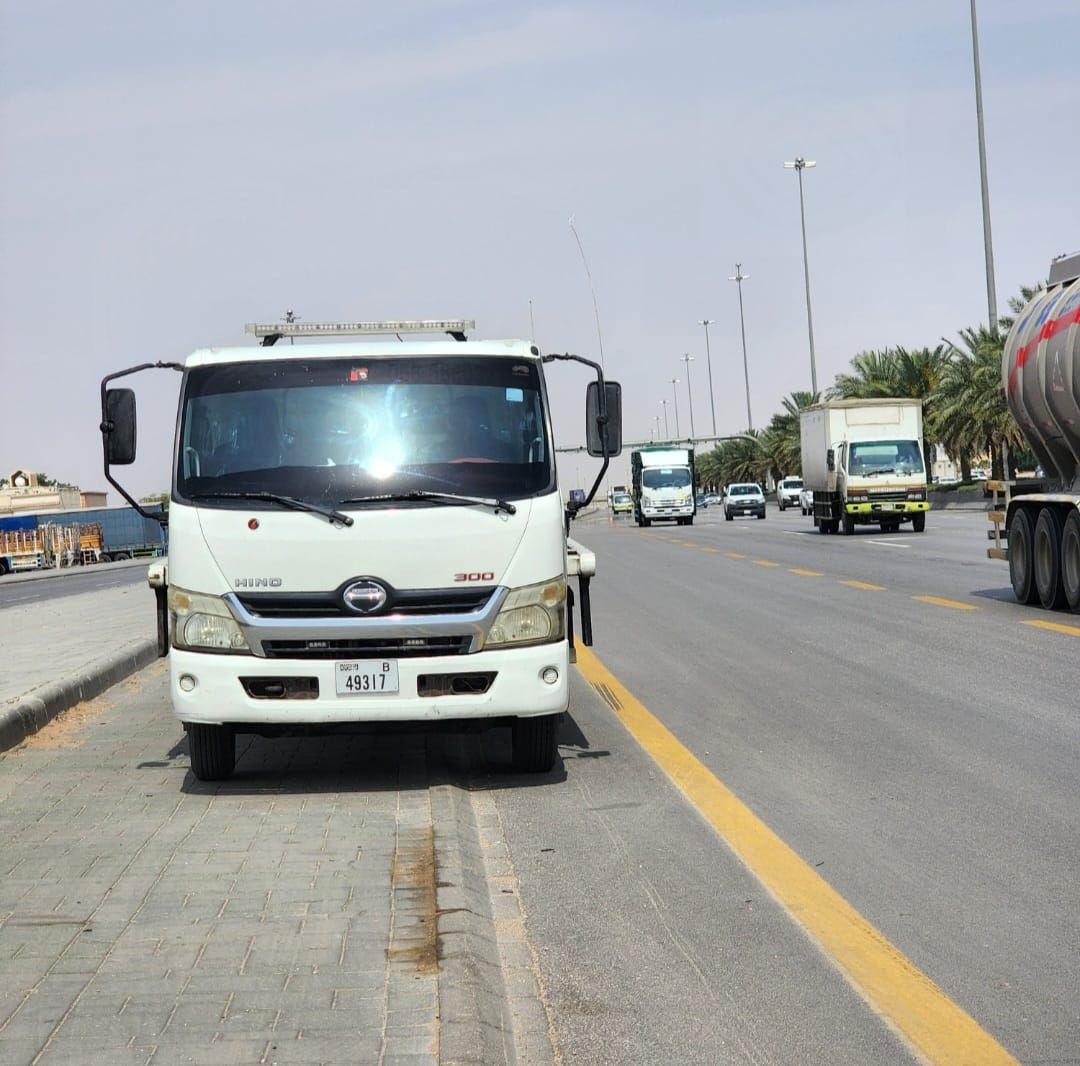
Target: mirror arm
[573, 507]
[107, 426]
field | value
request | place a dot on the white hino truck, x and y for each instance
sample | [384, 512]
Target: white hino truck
[863, 461]
[367, 530]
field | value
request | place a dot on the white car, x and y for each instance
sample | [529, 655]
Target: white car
[745, 497]
[787, 492]
[806, 501]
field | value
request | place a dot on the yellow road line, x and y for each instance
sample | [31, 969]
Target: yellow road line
[864, 585]
[734, 555]
[1057, 627]
[887, 979]
[765, 562]
[804, 573]
[956, 605]
[712, 550]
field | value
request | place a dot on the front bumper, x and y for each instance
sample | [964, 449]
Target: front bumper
[887, 507]
[668, 512]
[757, 508]
[219, 695]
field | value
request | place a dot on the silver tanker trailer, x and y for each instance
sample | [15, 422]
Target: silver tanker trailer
[1040, 372]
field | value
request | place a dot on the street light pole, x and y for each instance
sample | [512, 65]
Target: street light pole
[799, 166]
[688, 359]
[667, 431]
[988, 247]
[657, 427]
[674, 382]
[739, 277]
[707, 322]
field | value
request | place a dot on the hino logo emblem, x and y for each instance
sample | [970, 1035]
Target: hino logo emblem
[364, 596]
[258, 582]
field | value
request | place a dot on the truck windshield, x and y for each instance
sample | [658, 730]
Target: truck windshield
[663, 478]
[885, 457]
[324, 431]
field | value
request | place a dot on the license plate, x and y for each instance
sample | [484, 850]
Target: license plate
[888, 507]
[375, 677]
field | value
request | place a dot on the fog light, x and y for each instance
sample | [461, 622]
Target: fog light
[187, 682]
[550, 675]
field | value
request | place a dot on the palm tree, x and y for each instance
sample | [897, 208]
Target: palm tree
[780, 443]
[973, 408]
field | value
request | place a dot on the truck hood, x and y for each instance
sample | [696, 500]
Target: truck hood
[215, 550]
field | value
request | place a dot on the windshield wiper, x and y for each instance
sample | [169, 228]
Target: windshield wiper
[286, 501]
[443, 497]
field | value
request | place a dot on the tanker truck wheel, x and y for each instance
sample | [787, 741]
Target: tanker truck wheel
[1070, 560]
[1021, 557]
[1047, 555]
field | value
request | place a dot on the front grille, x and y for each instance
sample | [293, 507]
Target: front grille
[408, 603]
[379, 648]
[877, 495]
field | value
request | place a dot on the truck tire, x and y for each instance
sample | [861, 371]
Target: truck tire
[690, 520]
[646, 522]
[1021, 557]
[918, 521]
[535, 743]
[1070, 560]
[729, 516]
[848, 521]
[780, 504]
[213, 751]
[1046, 553]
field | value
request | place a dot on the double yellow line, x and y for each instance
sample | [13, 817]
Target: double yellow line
[934, 1025]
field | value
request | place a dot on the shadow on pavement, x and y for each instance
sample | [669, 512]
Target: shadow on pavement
[379, 758]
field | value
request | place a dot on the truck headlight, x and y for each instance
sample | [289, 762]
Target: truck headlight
[203, 623]
[533, 614]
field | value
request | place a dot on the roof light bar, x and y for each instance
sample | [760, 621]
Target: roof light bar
[327, 329]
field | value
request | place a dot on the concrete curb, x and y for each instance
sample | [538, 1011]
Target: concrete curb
[26, 715]
[66, 571]
[472, 997]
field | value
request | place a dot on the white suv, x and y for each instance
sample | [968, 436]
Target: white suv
[787, 492]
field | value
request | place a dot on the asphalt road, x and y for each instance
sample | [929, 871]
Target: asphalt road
[877, 701]
[16, 589]
[883, 705]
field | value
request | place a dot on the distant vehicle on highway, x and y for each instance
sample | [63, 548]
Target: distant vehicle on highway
[787, 492]
[744, 497]
[806, 500]
[622, 503]
[701, 500]
[713, 499]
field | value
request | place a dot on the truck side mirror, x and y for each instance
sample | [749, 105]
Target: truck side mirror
[118, 426]
[830, 459]
[603, 439]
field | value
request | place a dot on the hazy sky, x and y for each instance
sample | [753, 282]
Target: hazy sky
[171, 171]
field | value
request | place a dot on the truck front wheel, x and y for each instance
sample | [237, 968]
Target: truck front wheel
[535, 743]
[213, 751]
[1021, 561]
[849, 524]
[918, 521]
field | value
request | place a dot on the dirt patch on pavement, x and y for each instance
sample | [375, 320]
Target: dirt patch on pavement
[63, 731]
[416, 934]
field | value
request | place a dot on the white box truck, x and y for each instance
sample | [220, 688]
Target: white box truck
[663, 485]
[367, 531]
[863, 462]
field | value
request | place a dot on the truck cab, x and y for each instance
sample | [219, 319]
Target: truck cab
[369, 532]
